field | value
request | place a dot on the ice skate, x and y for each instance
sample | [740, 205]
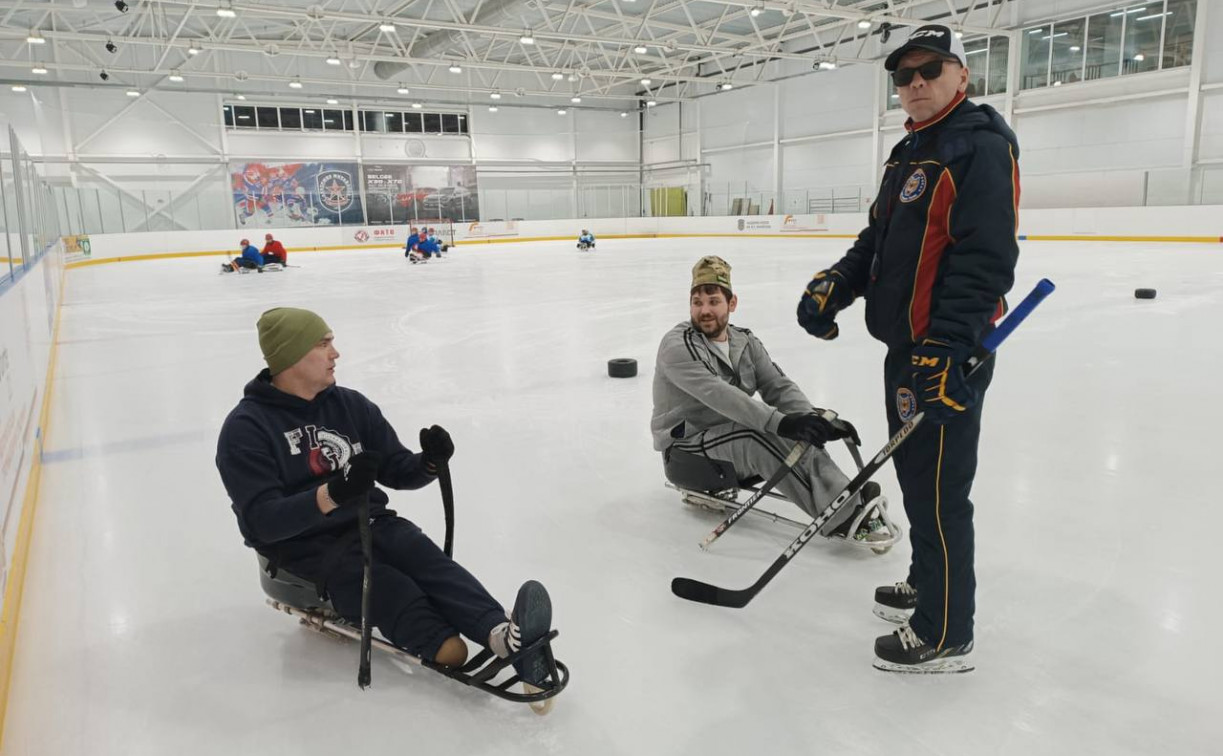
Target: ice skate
[895, 603]
[869, 525]
[904, 652]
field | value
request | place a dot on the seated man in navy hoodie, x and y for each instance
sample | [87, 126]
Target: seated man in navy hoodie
[296, 456]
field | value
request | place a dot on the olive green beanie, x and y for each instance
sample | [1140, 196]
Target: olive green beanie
[286, 334]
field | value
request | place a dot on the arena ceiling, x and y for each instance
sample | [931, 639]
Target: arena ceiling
[542, 52]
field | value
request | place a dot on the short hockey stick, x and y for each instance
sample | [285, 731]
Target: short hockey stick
[782, 471]
[695, 590]
[443, 482]
[367, 558]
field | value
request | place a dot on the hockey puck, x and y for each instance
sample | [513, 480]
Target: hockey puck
[622, 367]
[1144, 293]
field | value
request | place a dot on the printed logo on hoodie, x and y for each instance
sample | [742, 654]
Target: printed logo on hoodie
[328, 450]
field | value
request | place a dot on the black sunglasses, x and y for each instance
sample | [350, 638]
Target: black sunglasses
[929, 71]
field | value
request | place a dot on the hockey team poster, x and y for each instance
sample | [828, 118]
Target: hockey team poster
[296, 194]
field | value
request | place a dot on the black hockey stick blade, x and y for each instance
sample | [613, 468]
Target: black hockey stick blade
[704, 593]
[367, 556]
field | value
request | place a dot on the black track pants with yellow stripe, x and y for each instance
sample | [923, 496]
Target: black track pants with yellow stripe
[935, 467]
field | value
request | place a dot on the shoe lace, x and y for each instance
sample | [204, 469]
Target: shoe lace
[505, 640]
[904, 587]
[908, 638]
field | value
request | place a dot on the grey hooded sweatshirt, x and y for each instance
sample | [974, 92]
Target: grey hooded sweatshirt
[695, 389]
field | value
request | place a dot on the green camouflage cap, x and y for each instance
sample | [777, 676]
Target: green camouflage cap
[711, 269]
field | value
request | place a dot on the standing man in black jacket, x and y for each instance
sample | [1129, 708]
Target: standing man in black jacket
[296, 456]
[933, 264]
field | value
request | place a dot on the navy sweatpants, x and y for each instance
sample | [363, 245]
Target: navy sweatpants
[936, 467]
[419, 596]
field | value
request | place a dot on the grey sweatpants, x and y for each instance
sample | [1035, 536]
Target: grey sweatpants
[812, 483]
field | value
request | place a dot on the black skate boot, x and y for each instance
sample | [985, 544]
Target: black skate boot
[895, 603]
[903, 651]
[530, 620]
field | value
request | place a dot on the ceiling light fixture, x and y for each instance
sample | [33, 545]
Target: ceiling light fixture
[557, 76]
[175, 76]
[386, 27]
[332, 101]
[641, 49]
[295, 84]
[35, 39]
[417, 105]
[18, 88]
[456, 68]
[193, 51]
[492, 108]
[241, 97]
[495, 95]
[623, 114]
[650, 104]
[646, 82]
[726, 85]
[38, 70]
[1140, 57]
[333, 61]
[527, 38]
[575, 99]
[756, 11]
[226, 13]
[402, 89]
[864, 23]
[132, 93]
[827, 65]
[561, 112]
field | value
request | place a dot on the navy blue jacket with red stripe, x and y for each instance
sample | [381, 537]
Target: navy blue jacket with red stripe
[939, 254]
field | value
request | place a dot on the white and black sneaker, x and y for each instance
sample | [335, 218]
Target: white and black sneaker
[530, 620]
[903, 651]
[895, 603]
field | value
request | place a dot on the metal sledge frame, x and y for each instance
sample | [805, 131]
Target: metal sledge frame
[478, 672]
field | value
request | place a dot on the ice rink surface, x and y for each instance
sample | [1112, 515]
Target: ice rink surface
[144, 629]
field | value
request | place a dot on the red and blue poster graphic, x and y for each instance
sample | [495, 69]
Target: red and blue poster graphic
[296, 194]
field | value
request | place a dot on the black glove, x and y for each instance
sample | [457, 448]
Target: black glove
[435, 447]
[827, 294]
[845, 429]
[943, 391]
[354, 479]
[810, 427]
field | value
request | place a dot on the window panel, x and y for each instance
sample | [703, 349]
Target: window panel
[267, 118]
[413, 124]
[1068, 55]
[433, 123]
[976, 56]
[462, 124]
[229, 115]
[333, 120]
[450, 123]
[1144, 25]
[394, 122]
[290, 118]
[1036, 46]
[312, 118]
[372, 120]
[348, 119]
[1103, 45]
[244, 116]
[1178, 32]
[998, 49]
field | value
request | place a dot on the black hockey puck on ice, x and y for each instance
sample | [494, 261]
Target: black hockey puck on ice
[622, 367]
[1144, 293]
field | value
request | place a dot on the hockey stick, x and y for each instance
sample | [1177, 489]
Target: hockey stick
[367, 558]
[782, 471]
[443, 481]
[695, 590]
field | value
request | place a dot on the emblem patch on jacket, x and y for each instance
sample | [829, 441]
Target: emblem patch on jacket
[906, 404]
[914, 187]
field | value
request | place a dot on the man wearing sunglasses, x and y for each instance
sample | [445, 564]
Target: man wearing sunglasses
[933, 265]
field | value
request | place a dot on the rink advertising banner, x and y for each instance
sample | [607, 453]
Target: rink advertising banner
[387, 196]
[404, 194]
[296, 194]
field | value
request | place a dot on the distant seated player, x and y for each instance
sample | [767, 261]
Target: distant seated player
[586, 240]
[273, 251]
[441, 245]
[429, 248]
[250, 258]
[411, 250]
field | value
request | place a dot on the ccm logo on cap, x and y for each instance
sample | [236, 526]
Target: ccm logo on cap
[927, 33]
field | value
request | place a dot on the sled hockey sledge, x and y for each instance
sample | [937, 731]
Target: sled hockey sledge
[298, 597]
[584, 246]
[715, 486]
[267, 268]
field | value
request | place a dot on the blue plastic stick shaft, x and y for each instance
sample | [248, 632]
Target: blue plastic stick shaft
[1021, 311]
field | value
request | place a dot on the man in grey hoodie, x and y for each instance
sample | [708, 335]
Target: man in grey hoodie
[706, 376]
